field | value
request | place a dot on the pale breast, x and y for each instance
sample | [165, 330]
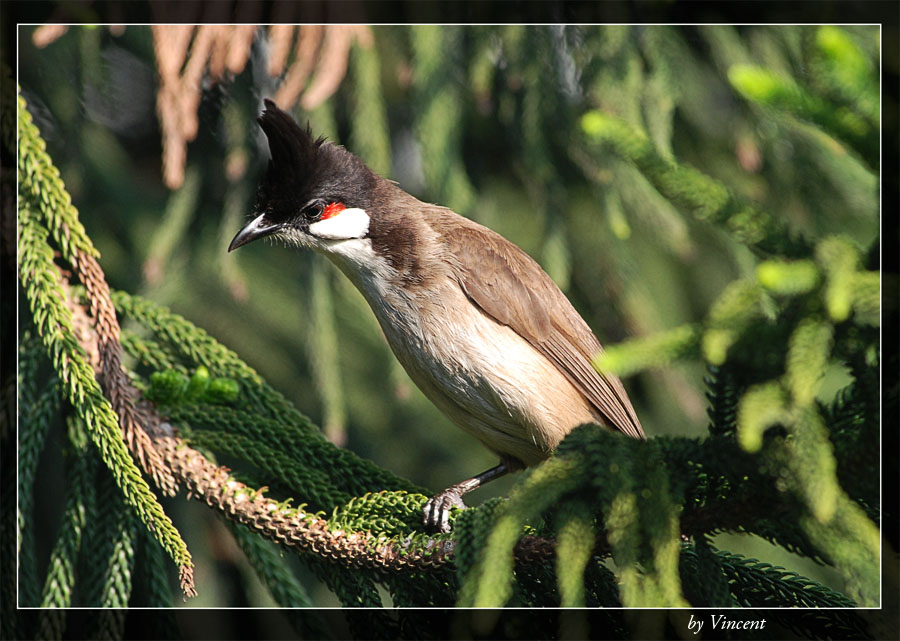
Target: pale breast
[484, 376]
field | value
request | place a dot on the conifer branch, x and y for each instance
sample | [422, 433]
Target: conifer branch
[575, 542]
[36, 412]
[692, 191]
[154, 575]
[315, 482]
[60, 582]
[780, 93]
[44, 196]
[747, 576]
[112, 532]
[294, 528]
[358, 476]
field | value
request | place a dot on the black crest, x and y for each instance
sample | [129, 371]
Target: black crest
[303, 168]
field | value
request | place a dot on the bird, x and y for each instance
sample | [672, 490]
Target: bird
[477, 324]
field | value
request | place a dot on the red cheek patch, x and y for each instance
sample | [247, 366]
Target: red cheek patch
[332, 210]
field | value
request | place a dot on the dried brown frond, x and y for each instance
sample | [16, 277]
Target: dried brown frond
[333, 65]
[187, 54]
[280, 38]
[219, 55]
[170, 45]
[324, 50]
[239, 44]
[47, 33]
[309, 41]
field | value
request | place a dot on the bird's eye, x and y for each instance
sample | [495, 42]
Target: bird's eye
[313, 211]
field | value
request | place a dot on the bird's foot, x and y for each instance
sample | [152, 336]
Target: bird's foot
[437, 511]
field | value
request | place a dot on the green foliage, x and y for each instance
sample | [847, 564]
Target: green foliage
[629, 485]
[654, 351]
[787, 277]
[712, 192]
[434, 48]
[60, 582]
[807, 456]
[113, 536]
[37, 412]
[767, 88]
[323, 351]
[703, 575]
[737, 307]
[41, 185]
[167, 386]
[760, 408]
[845, 69]
[489, 584]
[471, 529]
[222, 391]
[575, 540]
[370, 135]
[839, 259]
[269, 564]
[152, 577]
[171, 387]
[748, 582]
[284, 438]
[688, 189]
[382, 513]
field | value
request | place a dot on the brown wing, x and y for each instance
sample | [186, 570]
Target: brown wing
[493, 272]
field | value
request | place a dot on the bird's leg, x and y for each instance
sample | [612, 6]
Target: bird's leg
[437, 510]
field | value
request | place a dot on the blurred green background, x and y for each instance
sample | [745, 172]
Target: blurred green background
[486, 121]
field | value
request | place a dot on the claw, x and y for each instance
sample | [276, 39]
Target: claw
[437, 511]
[436, 514]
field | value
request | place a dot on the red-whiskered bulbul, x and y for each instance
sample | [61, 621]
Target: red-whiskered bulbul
[478, 325]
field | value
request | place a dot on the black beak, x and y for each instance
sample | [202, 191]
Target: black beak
[259, 227]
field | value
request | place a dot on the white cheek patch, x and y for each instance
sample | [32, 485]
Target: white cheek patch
[349, 223]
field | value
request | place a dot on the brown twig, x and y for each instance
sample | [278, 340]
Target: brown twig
[214, 485]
